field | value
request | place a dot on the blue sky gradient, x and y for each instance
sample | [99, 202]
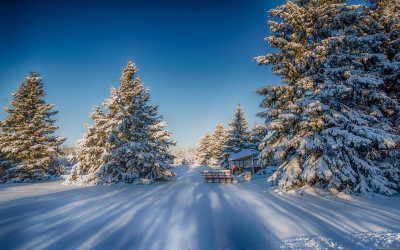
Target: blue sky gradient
[195, 55]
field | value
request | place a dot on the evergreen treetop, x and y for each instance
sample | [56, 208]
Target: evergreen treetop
[238, 136]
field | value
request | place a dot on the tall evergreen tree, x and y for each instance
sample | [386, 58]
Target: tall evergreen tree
[357, 130]
[304, 24]
[257, 136]
[203, 149]
[324, 122]
[238, 137]
[28, 147]
[217, 144]
[126, 144]
[298, 37]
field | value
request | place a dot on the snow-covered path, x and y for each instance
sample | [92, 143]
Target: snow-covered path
[187, 213]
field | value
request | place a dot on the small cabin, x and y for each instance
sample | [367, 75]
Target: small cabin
[247, 159]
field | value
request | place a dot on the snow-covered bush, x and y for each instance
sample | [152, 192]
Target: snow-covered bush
[127, 142]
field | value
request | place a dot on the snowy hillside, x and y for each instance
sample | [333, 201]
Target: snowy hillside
[186, 213]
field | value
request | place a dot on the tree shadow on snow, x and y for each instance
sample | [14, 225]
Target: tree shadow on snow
[184, 213]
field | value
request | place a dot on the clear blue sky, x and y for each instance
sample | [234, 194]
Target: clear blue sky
[195, 55]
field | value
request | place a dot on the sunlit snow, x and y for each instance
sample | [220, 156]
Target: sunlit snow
[186, 213]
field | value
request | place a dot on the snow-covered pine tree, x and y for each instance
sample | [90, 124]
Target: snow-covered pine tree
[217, 144]
[387, 13]
[28, 147]
[126, 144]
[298, 38]
[257, 136]
[238, 137]
[203, 149]
[324, 122]
[357, 130]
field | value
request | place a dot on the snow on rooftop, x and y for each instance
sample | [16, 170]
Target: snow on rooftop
[243, 154]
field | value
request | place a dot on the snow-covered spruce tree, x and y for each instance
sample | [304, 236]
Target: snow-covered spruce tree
[27, 145]
[324, 123]
[387, 13]
[354, 86]
[126, 144]
[375, 48]
[298, 40]
[257, 136]
[217, 144]
[203, 149]
[238, 137]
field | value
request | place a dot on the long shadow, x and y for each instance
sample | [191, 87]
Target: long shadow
[319, 214]
[55, 213]
[184, 213]
[316, 215]
[239, 225]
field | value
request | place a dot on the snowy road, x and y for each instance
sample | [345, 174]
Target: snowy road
[187, 213]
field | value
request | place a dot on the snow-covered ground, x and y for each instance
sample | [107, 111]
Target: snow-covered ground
[186, 213]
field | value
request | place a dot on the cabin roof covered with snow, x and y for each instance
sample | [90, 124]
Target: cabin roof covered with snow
[244, 154]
